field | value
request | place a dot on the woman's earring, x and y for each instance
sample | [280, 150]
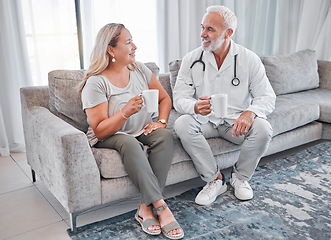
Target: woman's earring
[113, 60]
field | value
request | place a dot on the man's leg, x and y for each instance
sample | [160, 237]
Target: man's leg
[195, 144]
[193, 137]
[254, 146]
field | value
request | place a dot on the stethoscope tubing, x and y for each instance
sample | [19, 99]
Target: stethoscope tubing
[235, 81]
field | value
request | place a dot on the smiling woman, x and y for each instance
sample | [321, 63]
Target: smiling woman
[118, 119]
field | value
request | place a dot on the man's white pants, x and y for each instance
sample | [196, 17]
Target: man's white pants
[193, 136]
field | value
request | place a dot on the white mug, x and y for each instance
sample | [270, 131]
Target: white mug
[219, 104]
[151, 100]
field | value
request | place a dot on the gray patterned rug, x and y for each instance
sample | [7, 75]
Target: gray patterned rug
[292, 198]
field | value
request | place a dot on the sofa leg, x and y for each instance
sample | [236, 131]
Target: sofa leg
[33, 175]
[73, 217]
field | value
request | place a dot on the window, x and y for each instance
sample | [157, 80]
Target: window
[139, 17]
[51, 31]
[51, 35]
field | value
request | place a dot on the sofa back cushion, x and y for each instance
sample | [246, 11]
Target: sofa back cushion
[173, 69]
[64, 99]
[292, 73]
[154, 68]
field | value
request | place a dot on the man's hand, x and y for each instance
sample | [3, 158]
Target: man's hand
[203, 106]
[243, 123]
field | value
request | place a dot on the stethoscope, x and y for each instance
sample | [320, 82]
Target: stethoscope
[235, 81]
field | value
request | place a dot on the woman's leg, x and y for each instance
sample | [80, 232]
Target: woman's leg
[160, 156]
[166, 217]
[160, 152]
[136, 165]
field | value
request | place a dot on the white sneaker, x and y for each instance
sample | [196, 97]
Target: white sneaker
[242, 190]
[210, 191]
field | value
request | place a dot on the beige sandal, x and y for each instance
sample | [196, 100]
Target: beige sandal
[170, 226]
[148, 223]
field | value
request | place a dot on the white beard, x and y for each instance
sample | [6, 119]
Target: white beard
[214, 44]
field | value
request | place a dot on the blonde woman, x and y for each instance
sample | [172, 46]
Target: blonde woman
[118, 120]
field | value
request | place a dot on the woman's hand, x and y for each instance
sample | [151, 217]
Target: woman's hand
[133, 106]
[153, 126]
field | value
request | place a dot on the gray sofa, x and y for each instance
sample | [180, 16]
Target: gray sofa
[81, 177]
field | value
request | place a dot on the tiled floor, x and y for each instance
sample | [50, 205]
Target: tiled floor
[29, 211]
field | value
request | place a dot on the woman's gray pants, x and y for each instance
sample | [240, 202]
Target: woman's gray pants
[193, 136]
[149, 173]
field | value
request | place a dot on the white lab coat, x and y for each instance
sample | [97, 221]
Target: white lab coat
[254, 92]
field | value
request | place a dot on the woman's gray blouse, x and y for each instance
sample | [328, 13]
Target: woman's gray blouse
[98, 89]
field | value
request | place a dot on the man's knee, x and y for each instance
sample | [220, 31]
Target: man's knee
[263, 130]
[184, 125]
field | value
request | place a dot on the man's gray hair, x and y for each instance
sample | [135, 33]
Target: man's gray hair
[229, 16]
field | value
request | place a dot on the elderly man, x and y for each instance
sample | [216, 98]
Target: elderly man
[223, 67]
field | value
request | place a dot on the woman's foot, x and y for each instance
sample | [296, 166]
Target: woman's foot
[146, 218]
[169, 225]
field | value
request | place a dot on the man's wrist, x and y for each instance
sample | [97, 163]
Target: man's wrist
[253, 114]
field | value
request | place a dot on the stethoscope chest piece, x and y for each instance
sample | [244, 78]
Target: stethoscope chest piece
[235, 81]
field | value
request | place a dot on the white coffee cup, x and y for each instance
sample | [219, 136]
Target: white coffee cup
[151, 100]
[219, 103]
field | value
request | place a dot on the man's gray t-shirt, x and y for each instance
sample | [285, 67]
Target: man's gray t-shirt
[98, 89]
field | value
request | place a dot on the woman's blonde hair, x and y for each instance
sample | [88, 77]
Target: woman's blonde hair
[107, 35]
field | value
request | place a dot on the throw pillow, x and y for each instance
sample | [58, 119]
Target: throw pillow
[173, 69]
[64, 99]
[154, 68]
[292, 73]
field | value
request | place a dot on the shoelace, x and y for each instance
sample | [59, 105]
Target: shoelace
[210, 185]
[239, 183]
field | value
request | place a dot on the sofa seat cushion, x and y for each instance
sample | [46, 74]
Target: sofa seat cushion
[110, 163]
[293, 72]
[291, 113]
[320, 96]
[218, 145]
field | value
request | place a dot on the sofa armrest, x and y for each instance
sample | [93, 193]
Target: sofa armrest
[324, 71]
[35, 96]
[61, 157]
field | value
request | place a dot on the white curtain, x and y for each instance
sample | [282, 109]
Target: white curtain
[314, 30]
[179, 25]
[15, 73]
[267, 27]
[137, 16]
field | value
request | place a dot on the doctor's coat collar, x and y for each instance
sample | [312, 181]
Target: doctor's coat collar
[228, 61]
